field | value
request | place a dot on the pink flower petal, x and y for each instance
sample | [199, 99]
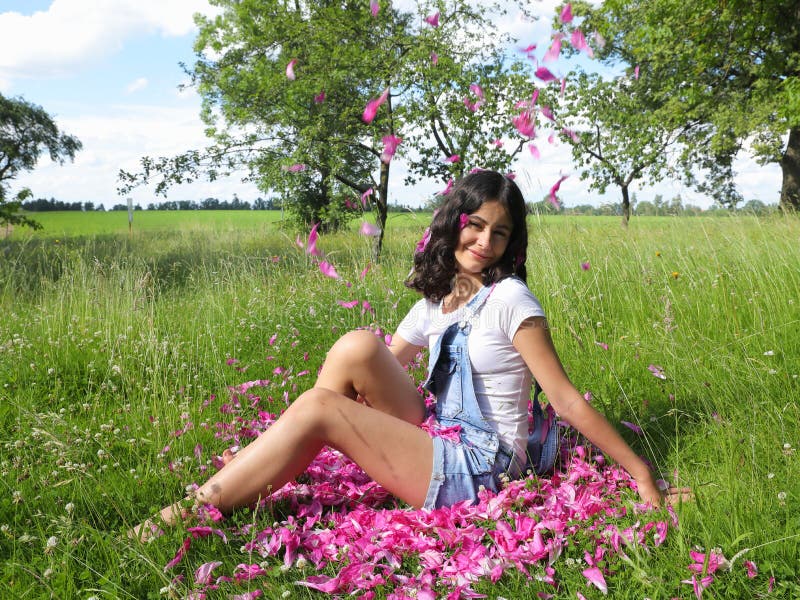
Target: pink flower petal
[554, 50]
[202, 576]
[752, 569]
[657, 371]
[179, 554]
[585, 266]
[603, 345]
[369, 229]
[290, 69]
[528, 49]
[423, 242]
[248, 595]
[328, 270]
[448, 187]
[576, 139]
[454, 158]
[477, 90]
[320, 98]
[636, 72]
[595, 576]
[295, 168]
[463, 220]
[351, 304]
[371, 109]
[534, 151]
[578, 41]
[566, 13]
[311, 245]
[390, 144]
[552, 198]
[433, 20]
[434, 58]
[364, 271]
[545, 75]
[633, 427]
[374, 7]
[365, 197]
[525, 123]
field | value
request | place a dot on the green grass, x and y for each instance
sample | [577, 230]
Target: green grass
[108, 342]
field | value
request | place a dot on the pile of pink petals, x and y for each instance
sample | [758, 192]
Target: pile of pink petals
[357, 540]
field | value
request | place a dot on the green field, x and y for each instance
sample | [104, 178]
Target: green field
[112, 345]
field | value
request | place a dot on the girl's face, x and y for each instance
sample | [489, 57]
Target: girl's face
[483, 240]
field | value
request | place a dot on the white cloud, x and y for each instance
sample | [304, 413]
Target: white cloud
[136, 85]
[71, 34]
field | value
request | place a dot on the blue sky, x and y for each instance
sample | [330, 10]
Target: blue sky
[108, 71]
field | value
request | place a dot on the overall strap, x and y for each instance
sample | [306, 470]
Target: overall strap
[472, 307]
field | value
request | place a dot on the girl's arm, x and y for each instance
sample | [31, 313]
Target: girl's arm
[403, 351]
[535, 345]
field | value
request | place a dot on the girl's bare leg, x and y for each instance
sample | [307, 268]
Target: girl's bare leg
[381, 438]
[360, 365]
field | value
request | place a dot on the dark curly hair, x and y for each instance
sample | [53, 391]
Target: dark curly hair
[435, 266]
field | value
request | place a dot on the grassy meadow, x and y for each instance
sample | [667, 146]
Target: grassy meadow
[118, 355]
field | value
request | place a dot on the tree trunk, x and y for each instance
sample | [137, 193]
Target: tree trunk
[381, 209]
[626, 206]
[790, 166]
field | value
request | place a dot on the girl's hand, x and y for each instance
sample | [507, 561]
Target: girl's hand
[650, 492]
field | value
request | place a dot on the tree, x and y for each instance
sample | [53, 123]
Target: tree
[729, 71]
[26, 131]
[617, 132]
[285, 85]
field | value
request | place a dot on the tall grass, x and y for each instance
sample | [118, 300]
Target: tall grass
[109, 344]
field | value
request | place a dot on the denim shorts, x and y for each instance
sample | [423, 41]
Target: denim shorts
[460, 470]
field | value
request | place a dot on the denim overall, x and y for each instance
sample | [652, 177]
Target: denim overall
[478, 460]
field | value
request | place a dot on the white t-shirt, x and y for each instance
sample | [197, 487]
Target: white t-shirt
[501, 379]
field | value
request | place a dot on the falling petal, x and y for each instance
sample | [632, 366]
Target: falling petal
[555, 48]
[563, 86]
[454, 158]
[547, 113]
[296, 168]
[365, 197]
[566, 13]
[498, 143]
[633, 427]
[311, 245]
[477, 90]
[290, 69]
[534, 151]
[525, 123]
[586, 266]
[578, 42]
[599, 40]
[327, 269]
[433, 20]
[390, 144]
[369, 229]
[528, 49]
[371, 109]
[364, 271]
[657, 371]
[448, 187]
[434, 58]
[545, 75]
[636, 72]
[374, 7]
[553, 190]
[603, 345]
[351, 304]
[320, 98]
[576, 139]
